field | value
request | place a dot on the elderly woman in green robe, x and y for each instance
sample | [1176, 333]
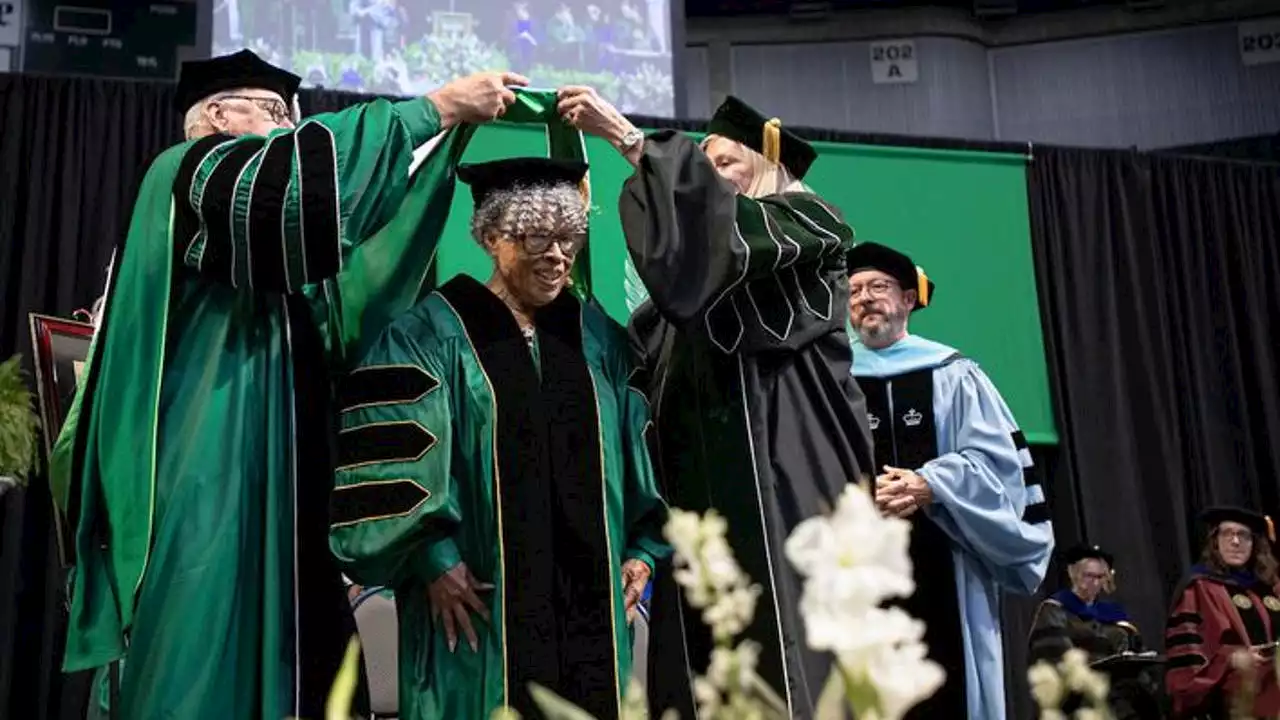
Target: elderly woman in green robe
[493, 469]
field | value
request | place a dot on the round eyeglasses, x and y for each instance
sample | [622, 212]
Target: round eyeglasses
[538, 244]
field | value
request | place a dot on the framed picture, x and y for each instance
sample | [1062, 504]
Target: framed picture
[60, 348]
[457, 24]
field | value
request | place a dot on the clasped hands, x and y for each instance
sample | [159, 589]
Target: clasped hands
[455, 595]
[900, 493]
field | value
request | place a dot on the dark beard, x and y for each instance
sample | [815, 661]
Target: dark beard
[883, 332]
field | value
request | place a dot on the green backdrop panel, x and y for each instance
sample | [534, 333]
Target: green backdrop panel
[962, 216]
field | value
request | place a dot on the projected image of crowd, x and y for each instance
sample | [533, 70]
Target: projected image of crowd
[620, 47]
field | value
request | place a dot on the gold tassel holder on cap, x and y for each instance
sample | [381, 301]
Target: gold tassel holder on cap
[1271, 528]
[771, 144]
[922, 287]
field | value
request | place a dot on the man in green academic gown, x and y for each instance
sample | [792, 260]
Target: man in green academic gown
[260, 258]
[493, 469]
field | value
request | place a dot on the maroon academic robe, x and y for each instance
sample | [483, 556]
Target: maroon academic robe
[1214, 616]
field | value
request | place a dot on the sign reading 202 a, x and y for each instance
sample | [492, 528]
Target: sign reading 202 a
[894, 61]
[1260, 41]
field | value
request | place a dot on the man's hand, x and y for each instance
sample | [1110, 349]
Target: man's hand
[635, 575]
[900, 493]
[453, 597]
[353, 592]
[583, 108]
[476, 98]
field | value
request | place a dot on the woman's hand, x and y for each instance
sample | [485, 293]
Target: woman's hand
[635, 575]
[453, 597]
[583, 108]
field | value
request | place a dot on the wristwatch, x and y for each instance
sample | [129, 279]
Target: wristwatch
[630, 139]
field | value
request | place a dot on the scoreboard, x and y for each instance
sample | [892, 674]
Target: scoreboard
[107, 38]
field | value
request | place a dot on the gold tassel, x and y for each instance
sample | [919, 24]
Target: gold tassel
[772, 142]
[922, 286]
[1271, 528]
[584, 189]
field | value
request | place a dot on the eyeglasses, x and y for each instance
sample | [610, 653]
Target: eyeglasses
[539, 244]
[1244, 536]
[874, 289]
[273, 107]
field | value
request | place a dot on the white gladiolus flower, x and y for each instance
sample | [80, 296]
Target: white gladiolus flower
[709, 574]
[903, 676]
[718, 563]
[855, 555]
[707, 695]
[852, 561]
[1046, 685]
[682, 531]
[1081, 678]
[1072, 677]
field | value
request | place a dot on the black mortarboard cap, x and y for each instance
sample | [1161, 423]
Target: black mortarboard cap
[1076, 553]
[199, 79]
[874, 256]
[511, 173]
[1257, 522]
[739, 121]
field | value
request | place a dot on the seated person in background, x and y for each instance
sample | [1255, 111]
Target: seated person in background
[1220, 636]
[493, 469]
[1075, 617]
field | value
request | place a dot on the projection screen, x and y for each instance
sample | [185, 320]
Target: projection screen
[405, 48]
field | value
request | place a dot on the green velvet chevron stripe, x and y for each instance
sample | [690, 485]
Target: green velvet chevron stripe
[379, 385]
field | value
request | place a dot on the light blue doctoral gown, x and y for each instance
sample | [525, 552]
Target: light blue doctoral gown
[980, 500]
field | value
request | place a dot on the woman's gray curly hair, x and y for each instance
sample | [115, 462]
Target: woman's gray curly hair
[537, 210]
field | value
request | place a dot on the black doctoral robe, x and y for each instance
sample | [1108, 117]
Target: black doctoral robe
[757, 413]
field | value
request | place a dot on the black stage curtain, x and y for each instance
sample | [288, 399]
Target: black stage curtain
[72, 153]
[1258, 147]
[1157, 278]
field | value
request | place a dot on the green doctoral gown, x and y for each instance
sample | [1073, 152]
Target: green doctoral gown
[461, 441]
[195, 461]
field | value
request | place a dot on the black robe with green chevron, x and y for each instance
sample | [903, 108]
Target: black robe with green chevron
[757, 413]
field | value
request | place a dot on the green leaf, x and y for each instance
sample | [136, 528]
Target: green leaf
[554, 707]
[338, 705]
[831, 702]
[19, 424]
[861, 695]
[769, 698]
